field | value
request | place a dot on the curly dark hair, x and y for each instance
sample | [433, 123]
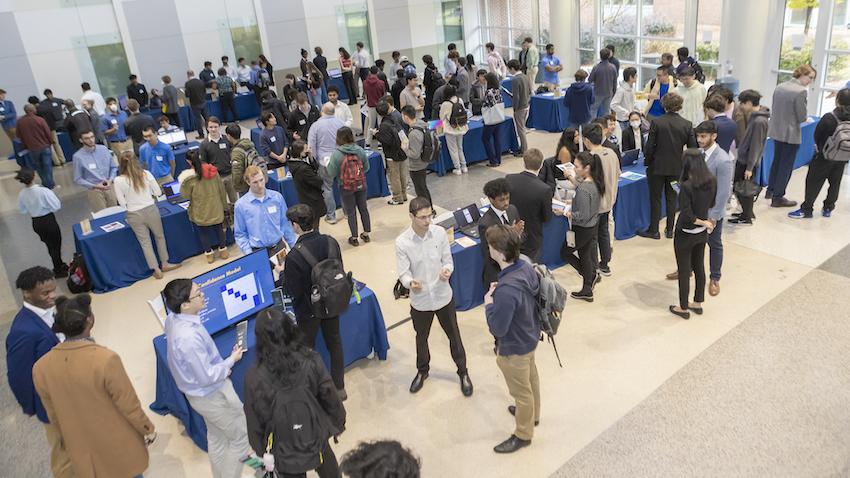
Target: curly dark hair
[279, 347]
[380, 459]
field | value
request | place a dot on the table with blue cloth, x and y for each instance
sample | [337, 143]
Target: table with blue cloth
[804, 154]
[631, 210]
[246, 108]
[362, 330]
[548, 113]
[466, 281]
[114, 259]
[180, 156]
[473, 145]
[337, 81]
[507, 91]
[21, 154]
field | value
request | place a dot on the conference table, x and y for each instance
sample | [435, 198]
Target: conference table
[631, 210]
[362, 329]
[180, 156]
[246, 108]
[473, 145]
[804, 154]
[507, 91]
[548, 113]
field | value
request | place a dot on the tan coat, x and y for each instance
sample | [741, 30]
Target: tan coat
[90, 399]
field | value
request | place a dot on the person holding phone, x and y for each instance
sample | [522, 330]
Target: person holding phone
[203, 376]
[95, 169]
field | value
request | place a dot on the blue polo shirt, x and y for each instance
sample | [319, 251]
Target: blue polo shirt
[549, 76]
[156, 159]
[262, 222]
[109, 119]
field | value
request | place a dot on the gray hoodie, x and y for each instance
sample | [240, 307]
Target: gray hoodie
[752, 144]
[415, 138]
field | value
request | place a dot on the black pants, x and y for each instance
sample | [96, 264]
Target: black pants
[350, 86]
[352, 202]
[309, 327]
[690, 259]
[364, 73]
[419, 184]
[199, 116]
[603, 237]
[447, 316]
[228, 103]
[48, 231]
[657, 184]
[204, 233]
[746, 202]
[784, 155]
[821, 170]
[586, 238]
[328, 469]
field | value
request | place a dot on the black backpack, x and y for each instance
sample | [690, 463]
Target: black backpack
[458, 117]
[299, 428]
[430, 145]
[332, 286]
[78, 278]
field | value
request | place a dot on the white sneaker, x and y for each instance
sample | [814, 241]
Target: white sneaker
[464, 169]
[457, 172]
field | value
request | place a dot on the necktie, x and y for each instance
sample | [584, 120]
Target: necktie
[504, 219]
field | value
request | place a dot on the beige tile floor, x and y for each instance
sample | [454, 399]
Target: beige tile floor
[616, 351]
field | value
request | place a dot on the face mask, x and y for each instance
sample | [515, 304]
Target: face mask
[113, 108]
[635, 124]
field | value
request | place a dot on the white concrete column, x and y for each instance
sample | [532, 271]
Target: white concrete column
[564, 32]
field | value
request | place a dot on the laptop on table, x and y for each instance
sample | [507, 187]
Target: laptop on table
[172, 193]
[467, 220]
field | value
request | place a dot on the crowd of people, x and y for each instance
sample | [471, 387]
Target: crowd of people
[700, 147]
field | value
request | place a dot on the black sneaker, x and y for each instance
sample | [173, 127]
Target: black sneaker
[596, 280]
[738, 220]
[605, 271]
[586, 296]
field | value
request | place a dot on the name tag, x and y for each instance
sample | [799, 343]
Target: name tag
[272, 139]
[55, 105]
[159, 158]
[93, 166]
[115, 121]
[272, 209]
[2, 109]
[222, 146]
[141, 92]
[302, 122]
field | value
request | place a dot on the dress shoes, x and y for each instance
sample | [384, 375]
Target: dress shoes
[511, 445]
[465, 385]
[713, 288]
[681, 313]
[418, 381]
[673, 276]
[512, 411]
[668, 234]
[782, 202]
[649, 235]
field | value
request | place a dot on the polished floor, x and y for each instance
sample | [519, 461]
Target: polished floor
[622, 356]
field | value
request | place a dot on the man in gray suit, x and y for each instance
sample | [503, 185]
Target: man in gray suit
[789, 110]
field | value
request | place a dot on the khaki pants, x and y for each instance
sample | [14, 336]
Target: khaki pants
[58, 154]
[454, 142]
[144, 222]
[60, 460]
[10, 132]
[227, 435]
[118, 146]
[398, 171]
[165, 180]
[101, 199]
[532, 76]
[520, 117]
[229, 189]
[520, 373]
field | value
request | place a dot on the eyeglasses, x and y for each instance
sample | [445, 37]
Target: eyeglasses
[428, 217]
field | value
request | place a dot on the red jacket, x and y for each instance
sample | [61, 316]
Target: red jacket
[34, 133]
[375, 90]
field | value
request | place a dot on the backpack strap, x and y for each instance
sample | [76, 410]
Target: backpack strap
[333, 252]
[307, 255]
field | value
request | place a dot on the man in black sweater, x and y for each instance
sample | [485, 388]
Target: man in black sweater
[196, 93]
[301, 118]
[533, 199]
[137, 91]
[215, 150]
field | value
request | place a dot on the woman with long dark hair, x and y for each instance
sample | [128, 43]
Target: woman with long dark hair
[493, 114]
[470, 65]
[204, 188]
[697, 189]
[347, 68]
[283, 364]
[264, 63]
[584, 218]
[565, 153]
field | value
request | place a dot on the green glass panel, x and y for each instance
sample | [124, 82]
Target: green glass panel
[110, 68]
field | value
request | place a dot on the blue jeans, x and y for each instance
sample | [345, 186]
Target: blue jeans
[316, 100]
[492, 145]
[601, 107]
[784, 155]
[42, 163]
[328, 193]
[715, 251]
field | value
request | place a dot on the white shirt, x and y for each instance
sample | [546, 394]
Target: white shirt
[708, 152]
[97, 99]
[231, 72]
[361, 58]
[134, 200]
[47, 315]
[450, 66]
[343, 113]
[503, 215]
[244, 74]
[422, 259]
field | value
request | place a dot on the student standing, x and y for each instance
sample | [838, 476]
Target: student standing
[533, 199]
[344, 166]
[501, 211]
[308, 182]
[521, 94]
[90, 399]
[136, 190]
[95, 169]
[204, 188]
[624, 99]
[203, 376]
[698, 188]
[495, 62]
[424, 264]
[170, 107]
[727, 129]
[693, 96]
[493, 112]
[40, 204]
[227, 94]
[529, 57]
[579, 98]
[215, 150]
[750, 148]
[341, 110]
[8, 115]
[610, 176]
[36, 137]
[789, 110]
[362, 61]
[603, 77]
[157, 157]
[260, 216]
[551, 66]
[196, 93]
[112, 125]
[322, 140]
[31, 337]
[309, 249]
[391, 143]
[414, 148]
[283, 362]
[273, 143]
[656, 89]
[453, 114]
[373, 89]
[347, 67]
[510, 306]
[412, 95]
[242, 154]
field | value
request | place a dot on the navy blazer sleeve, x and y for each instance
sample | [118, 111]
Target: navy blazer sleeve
[24, 346]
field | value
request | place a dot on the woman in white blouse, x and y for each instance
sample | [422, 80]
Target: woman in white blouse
[136, 189]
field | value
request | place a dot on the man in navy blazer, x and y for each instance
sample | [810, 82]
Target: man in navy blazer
[715, 110]
[30, 337]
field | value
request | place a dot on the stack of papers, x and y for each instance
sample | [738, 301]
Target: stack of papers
[158, 308]
[632, 176]
[465, 242]
[112, 226]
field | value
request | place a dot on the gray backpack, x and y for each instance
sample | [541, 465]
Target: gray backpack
[837, 147]
[551, 300]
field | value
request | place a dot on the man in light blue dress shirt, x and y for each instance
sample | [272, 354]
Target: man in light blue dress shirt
[322, 141]
[260, 216]
[94, 169]
[157, 157]
[202, 375]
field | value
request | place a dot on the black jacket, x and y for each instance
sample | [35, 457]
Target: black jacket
[196, 92]
[136, 124]
[533, 200]
[388, 137]
[694, 204]
[51, 111]
[279, 109]
[395, 92]
[826, 127]
[139, 93]
[260, 390]
[550, 173]
[216, 155]
[491, 268]
[308, 184]
[629, 139]
[297, 273]
[300, 123]
[668, 135]
[77, 123]
[322, 64]
[476, 97]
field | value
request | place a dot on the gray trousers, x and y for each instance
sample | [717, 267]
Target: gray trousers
[328, 192]
[227, 430]
[520, 117]
[371, 122]
[144, 222]
[455, 144]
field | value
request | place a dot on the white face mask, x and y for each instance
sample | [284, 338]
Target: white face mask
[113, 108]
[635, 124]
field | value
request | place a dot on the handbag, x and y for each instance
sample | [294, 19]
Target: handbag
[493, 114]
[746, 188]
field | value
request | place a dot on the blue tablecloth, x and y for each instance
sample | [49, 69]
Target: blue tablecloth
[804, 154]
[548, 113]
[246, 108]
[115, 259]
[180, 157]
[473, 146]
[362, 329]
[337, 81]
[631, 211]
[21, 155]
[467, 286]
[376, 182]
[507, 91]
